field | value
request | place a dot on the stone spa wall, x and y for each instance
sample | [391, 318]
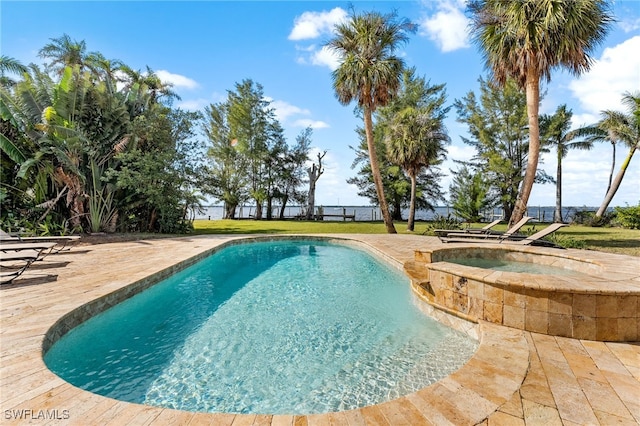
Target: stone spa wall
[597, 300]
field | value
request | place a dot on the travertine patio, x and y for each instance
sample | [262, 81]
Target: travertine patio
[516, 376]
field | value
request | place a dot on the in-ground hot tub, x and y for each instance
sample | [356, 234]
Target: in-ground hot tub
[570, 293]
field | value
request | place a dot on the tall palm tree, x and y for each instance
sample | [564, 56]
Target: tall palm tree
[63, 52]
[526, 40]
[415, 140]
[625, 128]
[369, 73]
[556, 133]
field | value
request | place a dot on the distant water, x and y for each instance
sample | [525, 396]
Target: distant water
[368, 213]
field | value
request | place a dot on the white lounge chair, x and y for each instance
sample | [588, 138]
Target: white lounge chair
[485, 229]
[61, 242]
[463, 236]
[534, 239]
[14, 263]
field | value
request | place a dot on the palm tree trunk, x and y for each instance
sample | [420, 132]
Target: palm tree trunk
[412, 204]
[613, 163]
[375, 171]
[557, 214]
[533, 104]
[616, 182]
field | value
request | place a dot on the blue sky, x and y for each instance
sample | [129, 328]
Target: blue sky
[205, 47]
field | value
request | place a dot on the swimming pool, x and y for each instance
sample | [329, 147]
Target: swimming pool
[272, 327]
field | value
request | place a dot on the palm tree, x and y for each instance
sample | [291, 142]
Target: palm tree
[556, 133]
[414, 130]
[525, 40]
[369, 73]
[625, 128]
[64, 52]
[415, 141]
[10, 65]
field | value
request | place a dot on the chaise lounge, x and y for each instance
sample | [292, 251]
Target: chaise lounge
[534, 239]
[14, 263]
[484, 230]
[455, 236]
[61, 242]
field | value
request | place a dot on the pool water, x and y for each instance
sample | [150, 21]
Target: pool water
[272, 327]
[511, 266]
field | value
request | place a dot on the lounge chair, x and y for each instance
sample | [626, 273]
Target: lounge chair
[40, 247]
[537, 238]
[485, 229]
[489, 235]
[534, 239]
[14, 263]
[61, 241]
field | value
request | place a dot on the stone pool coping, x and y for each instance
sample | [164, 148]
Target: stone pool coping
[500, 382]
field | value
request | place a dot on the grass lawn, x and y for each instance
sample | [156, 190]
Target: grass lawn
[613, 240]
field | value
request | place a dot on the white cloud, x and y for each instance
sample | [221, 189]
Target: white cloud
[193, 104]
[448, 26]
[312, 25]
[177, 80]
[314, 124]
[284, 110]
[630, 24]
[586, 119]
[617, 71]
[326, 57]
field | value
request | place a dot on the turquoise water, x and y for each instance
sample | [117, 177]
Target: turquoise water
[274, 327]
[511, 266]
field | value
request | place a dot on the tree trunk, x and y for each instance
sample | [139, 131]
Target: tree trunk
[269, 208]
[285, 199]
[314, 173]
[375, 171]
[311, 202]
[258, 215]
[613, 164]
[395, 208]
[557, 214]
[616, 183]
[412, 204]
[230, 211]
[532, 87]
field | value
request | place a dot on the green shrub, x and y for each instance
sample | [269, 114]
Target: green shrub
[627, 217]
[443, 222]
[588, 218]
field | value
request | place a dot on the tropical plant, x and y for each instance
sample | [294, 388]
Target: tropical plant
[10, 65]
[624, 127]
[64, 52]
[370, 73]
[555, 132]
[415, 135]
[415, 141]
[397, 185]
[527, 39]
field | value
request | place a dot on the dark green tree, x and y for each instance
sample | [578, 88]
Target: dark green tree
[497, 126]
[469, 194]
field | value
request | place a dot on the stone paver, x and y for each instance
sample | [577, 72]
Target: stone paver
[516, 377]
